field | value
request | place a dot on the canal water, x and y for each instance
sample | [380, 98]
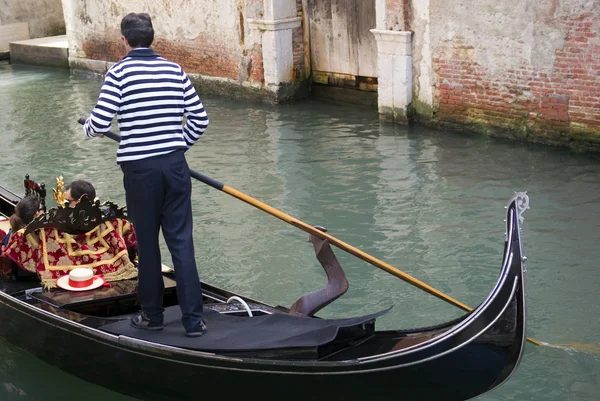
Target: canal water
[429, 203]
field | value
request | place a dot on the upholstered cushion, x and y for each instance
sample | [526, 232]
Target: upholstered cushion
[51, 253]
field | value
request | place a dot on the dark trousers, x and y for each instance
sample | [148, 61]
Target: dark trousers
[158, 194]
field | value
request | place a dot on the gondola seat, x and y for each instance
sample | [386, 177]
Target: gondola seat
[91, 235]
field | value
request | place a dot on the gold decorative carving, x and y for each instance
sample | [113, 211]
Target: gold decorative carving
[59, 194]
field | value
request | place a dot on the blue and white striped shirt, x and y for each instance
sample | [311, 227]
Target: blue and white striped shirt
[150, 96]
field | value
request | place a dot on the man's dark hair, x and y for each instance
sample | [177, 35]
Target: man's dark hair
[137, 29]
[81, 187]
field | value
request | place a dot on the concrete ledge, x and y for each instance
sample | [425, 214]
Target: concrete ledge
[207, 85]
[52, 51]
[576, 137]
[89, 66]
[12, 32]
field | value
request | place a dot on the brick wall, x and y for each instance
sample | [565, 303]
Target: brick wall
[252, 51]
[397, 15]
[298, 44]
[215, 43]
[208, 58]
[256, 68]
[551, 104]
[197, 56]
[109, 47]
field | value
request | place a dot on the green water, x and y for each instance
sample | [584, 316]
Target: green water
[428, 203]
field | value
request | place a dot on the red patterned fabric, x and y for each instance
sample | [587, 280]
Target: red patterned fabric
[52, 254]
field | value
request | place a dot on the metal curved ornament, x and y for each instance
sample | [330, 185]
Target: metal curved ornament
[522, 204]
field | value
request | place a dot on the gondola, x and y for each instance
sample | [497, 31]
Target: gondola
[257, 351]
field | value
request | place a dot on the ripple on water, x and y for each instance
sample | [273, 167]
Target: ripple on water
[429, 203]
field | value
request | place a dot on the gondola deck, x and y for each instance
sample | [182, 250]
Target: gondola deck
[244, 333]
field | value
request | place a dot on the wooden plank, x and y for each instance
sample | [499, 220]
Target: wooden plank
[12, 33]
[367, 84]
[320, 28]
[346, 95]
[342, 51]
[320, 77]
[334, 78]
[342, 47]
[365, 42]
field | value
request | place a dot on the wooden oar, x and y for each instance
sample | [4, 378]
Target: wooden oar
[319, 234]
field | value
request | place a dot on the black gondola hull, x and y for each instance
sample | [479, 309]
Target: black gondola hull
[147, 374]
[468, 358]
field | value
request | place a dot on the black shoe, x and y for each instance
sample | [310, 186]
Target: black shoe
[141, 321]
[198, 331]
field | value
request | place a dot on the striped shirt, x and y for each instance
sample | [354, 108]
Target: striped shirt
[150, 95]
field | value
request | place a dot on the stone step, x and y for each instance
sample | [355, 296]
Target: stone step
[51, 51]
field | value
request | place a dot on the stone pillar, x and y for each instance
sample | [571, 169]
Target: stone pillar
[280, 18]
[394, 65]
[394, 59]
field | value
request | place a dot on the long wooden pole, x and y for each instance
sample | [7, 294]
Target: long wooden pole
[320, 234]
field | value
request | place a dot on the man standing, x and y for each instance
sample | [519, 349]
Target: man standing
[151, 95]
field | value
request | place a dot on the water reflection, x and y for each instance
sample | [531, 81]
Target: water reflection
[23, 377]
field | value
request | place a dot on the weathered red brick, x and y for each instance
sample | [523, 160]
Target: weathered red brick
[568, 94]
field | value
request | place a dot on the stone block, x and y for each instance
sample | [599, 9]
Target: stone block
[393, 42]
[51, 51]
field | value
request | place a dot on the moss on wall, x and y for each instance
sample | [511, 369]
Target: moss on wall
[576, 136]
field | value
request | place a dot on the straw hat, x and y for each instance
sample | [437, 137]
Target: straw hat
[80, 279]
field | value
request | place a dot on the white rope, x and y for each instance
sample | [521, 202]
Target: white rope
[242, 302]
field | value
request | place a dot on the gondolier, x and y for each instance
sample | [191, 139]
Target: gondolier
[151, 95]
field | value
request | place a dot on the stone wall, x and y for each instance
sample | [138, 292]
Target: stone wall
[44, 17]
[511, 68]
[206, 37]
[212, 40]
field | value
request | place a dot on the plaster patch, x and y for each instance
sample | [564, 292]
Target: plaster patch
[503, 35]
